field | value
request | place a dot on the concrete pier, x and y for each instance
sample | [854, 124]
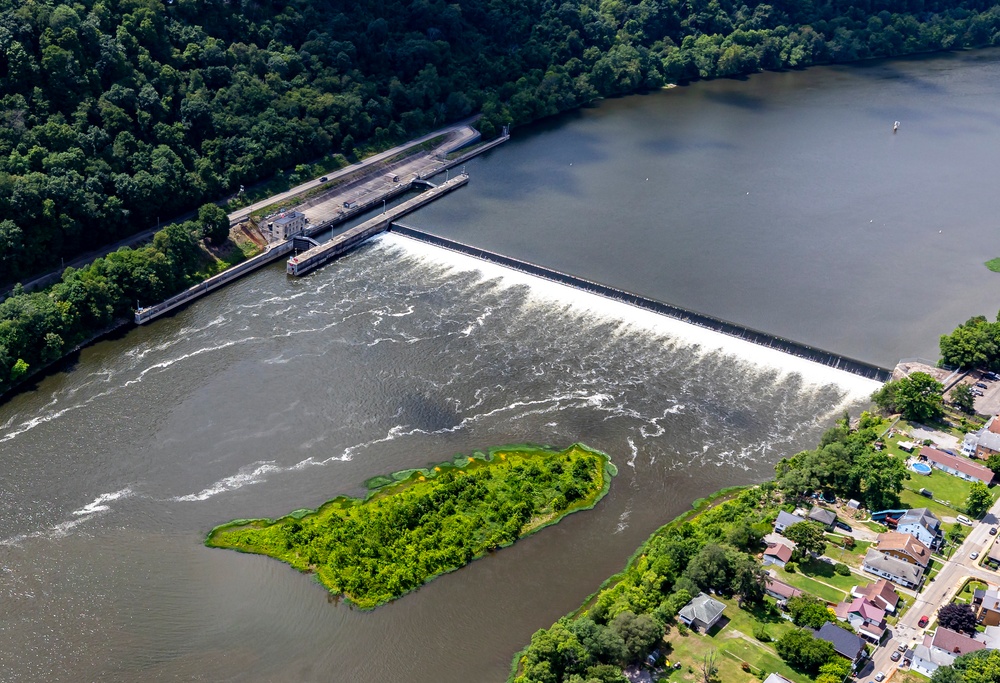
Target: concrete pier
[317, 256]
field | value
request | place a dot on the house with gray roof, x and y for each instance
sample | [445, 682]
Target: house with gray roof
[848, 645]
[785, 520]
[988, 444]
[702, 612]
[922, 525]
[888, 567]
[823, 516]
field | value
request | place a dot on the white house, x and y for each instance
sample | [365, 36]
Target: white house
[922, 525]
[785, 520]
[957, 466]
[942, 649]
[778, 554]
[888, 567]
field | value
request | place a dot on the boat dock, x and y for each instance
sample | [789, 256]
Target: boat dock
[317, 256]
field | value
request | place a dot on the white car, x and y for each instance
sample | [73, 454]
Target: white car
[880, 676]
[973, 555]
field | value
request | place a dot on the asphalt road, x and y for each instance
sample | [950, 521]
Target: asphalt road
[936, 594]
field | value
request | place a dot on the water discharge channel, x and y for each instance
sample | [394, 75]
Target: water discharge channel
[277, 393]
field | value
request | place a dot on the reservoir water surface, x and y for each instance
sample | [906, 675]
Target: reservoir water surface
[279, 393]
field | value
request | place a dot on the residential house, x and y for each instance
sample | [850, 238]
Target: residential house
[942, 649]
[953, 464]
[986, 603]
[881, 594]
[867, 619]
[823, 516]
[785, 520]
[779, 590]
[993, 556]
[776, 678]
[778, 554]
[988, 442]
[848, 645]
[922, 525]
[284, 225]
[902, 573]
[904, 547]
[983, 443]
[702, 612]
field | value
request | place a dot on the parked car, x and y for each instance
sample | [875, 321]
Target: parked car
[923, 621]
[902, 647]
[973, 555]
[896, 656]
[949, 452]
[977, 392]
[843, 525]
[993, 531]
[991, 375]
[982, 385]
[880, 676]
[962, 519]
[323, 179]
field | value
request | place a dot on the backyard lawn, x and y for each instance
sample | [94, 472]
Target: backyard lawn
[818, 586]
[733, 644]
[946, 488]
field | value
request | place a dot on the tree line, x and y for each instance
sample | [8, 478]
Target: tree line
[38, 328]
[116, 112]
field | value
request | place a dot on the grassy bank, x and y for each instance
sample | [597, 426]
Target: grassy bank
[417, 524]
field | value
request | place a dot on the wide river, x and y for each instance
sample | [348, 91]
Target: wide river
[279, 393]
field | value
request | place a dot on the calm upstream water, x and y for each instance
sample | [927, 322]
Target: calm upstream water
[276, 393]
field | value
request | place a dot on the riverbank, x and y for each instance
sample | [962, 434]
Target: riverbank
[415, 525]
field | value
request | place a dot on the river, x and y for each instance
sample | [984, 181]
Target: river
[279, 393]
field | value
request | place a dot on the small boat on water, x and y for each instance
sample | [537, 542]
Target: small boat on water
[895, 126]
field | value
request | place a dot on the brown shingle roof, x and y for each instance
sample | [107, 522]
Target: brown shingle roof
[880, 593]
[781, 588]
[984, 474]
[906, 544]
[779, 550]
[955, 642]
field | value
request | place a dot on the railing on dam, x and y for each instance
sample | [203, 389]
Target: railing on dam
[789, 346]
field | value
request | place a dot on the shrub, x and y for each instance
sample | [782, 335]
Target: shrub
[791, 567]
[842, 569]
[761, 633]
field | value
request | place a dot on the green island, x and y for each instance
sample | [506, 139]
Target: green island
[418, 524]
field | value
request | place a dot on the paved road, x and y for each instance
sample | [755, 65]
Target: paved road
[458, 134]
[937, 594]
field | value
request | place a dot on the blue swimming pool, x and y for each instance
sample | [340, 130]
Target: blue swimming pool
[921, 468]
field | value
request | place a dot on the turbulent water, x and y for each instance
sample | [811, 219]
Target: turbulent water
[281, 393]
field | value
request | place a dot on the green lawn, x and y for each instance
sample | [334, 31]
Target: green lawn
[732, 648]
[809, 585]
[947, 489]
[912, 499]
[850, 557]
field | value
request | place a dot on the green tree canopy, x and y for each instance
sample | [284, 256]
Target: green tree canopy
[917, 397]
[979, 500]
[808, 537]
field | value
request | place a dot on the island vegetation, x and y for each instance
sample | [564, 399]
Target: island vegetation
[420, 524]
[118, 112]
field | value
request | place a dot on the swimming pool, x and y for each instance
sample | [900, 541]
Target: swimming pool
[921, 468]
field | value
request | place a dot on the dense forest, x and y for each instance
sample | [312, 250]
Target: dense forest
[116, 112]
[715, 551]
[433, 522]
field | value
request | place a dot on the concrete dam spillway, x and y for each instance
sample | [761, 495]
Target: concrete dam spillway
[857, 367]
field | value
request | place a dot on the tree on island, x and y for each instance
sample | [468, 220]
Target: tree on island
[917, 397]
[958, 617]
[979, 500]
